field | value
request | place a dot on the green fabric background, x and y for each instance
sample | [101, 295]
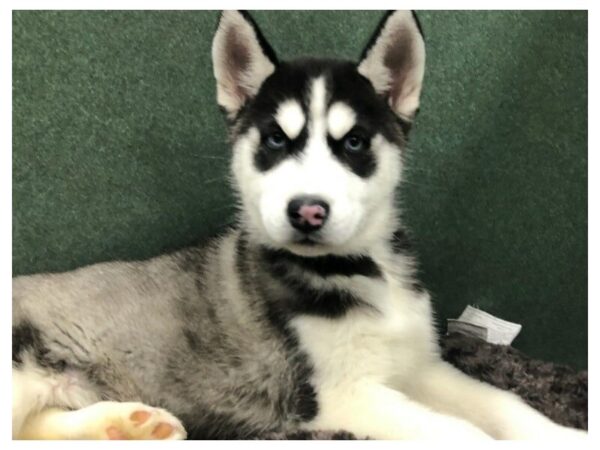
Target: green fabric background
[119, 150]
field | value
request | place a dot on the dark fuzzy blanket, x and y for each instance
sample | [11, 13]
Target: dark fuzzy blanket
[556, 390]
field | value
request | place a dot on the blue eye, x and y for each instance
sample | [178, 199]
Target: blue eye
[354, 143]
[276, 141]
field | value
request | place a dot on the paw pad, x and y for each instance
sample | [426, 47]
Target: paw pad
[115, 433]
[139, 417]
[128, 421]
[162, 431]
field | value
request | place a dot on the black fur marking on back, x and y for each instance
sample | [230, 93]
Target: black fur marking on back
[193, 340]
[328, 265]
[28, 338]
[25, 337]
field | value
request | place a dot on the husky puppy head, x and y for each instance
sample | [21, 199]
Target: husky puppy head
[317, 143]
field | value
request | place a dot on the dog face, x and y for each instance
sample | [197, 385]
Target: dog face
[317, 144]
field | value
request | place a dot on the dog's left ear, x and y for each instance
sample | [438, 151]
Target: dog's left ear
[394, 62]
[242, 60]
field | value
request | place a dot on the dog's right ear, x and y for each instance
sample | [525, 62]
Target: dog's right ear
[242, 60]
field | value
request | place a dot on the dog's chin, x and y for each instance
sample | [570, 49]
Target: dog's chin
[308, 245]
[319, 243]
[308, 248]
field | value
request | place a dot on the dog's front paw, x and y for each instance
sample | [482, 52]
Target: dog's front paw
[130, 420]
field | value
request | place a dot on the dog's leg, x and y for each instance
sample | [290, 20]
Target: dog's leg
[35, 388]
[501, 414]
[30, 394]
[369, 409]
[52, 405]
[103, 420]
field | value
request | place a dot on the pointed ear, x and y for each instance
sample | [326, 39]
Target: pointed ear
[242, 60]
[394, 62]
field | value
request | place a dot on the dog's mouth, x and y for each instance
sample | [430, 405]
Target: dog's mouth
[311, 244]
[307, 245]
[309, 241]
[306, 240]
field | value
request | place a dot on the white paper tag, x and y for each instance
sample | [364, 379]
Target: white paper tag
[468, 329]
[477, 323]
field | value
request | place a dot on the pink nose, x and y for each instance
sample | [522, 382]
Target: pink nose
[313, 214]
[307, 214]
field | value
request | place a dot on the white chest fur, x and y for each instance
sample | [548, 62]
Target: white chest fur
[392, 339]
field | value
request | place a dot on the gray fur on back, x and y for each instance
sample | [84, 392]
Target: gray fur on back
[177, 331]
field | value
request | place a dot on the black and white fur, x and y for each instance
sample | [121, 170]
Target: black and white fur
[268, 328]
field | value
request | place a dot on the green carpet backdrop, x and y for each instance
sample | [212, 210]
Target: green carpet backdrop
[120, 152]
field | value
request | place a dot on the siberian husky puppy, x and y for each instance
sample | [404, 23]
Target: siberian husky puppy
[306, 316]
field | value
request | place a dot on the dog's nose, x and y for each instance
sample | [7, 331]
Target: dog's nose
[307, 214]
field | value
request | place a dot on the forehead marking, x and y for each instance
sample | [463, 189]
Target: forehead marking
[317, 107]
[290, 118]
[340, 119]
